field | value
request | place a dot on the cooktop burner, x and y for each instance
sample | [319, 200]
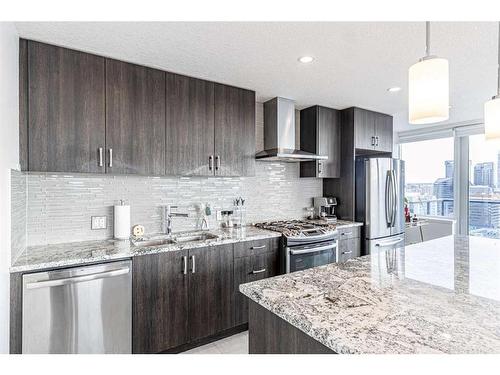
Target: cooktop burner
[294, 228]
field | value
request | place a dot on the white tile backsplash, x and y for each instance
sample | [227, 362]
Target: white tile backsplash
[60, 206]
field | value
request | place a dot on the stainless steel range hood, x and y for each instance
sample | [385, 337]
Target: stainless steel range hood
[279, 134]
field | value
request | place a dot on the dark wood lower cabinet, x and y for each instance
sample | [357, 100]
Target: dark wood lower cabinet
[248, 269]
[185, 298]
[349, 248]
[160, 302]
[210, 290]
[269, 334]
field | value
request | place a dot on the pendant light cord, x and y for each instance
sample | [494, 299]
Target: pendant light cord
[427, 38]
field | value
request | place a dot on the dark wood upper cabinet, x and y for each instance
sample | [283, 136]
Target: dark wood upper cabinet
[383, 132]
[372, 130]
[210, 290]
[234, 131]
[66, 104]
[84, 113]
[135, 119]
[364, 129]
[320, 134]
[160, 301]
[190, 126]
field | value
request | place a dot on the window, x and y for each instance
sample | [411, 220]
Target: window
[429, 170]
[484, 187]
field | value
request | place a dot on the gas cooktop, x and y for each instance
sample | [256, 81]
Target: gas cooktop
[298, 228]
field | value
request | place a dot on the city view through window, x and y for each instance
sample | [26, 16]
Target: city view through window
[429, 181]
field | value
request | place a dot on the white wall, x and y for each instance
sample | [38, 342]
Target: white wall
[9, 158]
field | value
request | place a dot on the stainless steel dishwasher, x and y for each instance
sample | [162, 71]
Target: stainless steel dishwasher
[78, 310]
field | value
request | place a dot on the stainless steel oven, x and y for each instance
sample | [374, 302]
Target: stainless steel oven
[306, 256]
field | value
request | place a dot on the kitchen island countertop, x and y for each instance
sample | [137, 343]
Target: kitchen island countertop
[440, 296]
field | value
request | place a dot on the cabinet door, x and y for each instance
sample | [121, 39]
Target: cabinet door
[328, 142]
[210, 290]
[234, 131]
[190, 126]
[160, 302]
[65, 110]
[248, 269]
[383, 132]
[364, 129]
[135, 119]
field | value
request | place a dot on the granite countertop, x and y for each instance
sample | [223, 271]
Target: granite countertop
[347, 223]
[80, 253]
[440, 296]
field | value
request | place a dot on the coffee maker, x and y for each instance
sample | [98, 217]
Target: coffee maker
[324, 209]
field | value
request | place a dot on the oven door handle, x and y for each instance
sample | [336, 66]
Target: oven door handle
[313, 249]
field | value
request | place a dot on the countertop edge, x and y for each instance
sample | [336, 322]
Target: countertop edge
[137, 251]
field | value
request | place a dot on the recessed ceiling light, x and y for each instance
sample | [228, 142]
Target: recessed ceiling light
[394, 89]
[306, 59]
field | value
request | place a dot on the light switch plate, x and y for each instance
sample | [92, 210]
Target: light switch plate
[98, 222]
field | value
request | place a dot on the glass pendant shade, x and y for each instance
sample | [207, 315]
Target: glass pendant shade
[492, 118]
[428, 86]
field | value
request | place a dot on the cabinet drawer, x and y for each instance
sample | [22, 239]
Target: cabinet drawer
[248, 269]
[348, 232]
[348, 249]
[242, 249]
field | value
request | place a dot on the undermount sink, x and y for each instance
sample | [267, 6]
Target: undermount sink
[154, 242]
[177, 239]
[188, 237]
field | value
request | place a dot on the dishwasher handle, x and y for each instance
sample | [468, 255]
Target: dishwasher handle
[77, 279]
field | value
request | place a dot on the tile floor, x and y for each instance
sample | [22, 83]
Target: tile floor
[236, 344]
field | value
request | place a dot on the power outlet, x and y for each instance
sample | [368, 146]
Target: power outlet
[98, 222]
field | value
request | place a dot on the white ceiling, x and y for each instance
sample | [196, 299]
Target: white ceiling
[355, 62]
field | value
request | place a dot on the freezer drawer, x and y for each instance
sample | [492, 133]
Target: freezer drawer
[78, 310]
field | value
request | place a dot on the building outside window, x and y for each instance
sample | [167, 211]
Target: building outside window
[429, 177]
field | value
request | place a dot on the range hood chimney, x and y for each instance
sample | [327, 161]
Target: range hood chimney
[279, 133]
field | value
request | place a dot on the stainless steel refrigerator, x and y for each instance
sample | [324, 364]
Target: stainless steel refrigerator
[380, 202]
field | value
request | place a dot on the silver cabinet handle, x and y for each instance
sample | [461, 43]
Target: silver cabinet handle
[376, 141]
[210, 162]
[259, 271]
[347, 252]
[320, 167]
[110, 157]
[373, 141]
[100, 157]
[77, 279]
[193, 262]
[185, 265]
[258, 247]
[217, 162]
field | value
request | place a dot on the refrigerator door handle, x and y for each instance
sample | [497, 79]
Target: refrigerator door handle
[388, 208]
[394, 198]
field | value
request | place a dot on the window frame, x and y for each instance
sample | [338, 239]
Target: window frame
[460, 133]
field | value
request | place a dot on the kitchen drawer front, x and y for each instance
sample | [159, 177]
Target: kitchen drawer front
[348, 232]
[244, 249]
[248, 269]
[349, 248]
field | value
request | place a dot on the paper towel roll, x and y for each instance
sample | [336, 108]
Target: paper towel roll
[122, 222]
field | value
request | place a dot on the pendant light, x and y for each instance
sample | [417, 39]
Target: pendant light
[492, 107]
[428, 87]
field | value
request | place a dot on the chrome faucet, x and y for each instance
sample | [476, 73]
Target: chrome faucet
[167, 218]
